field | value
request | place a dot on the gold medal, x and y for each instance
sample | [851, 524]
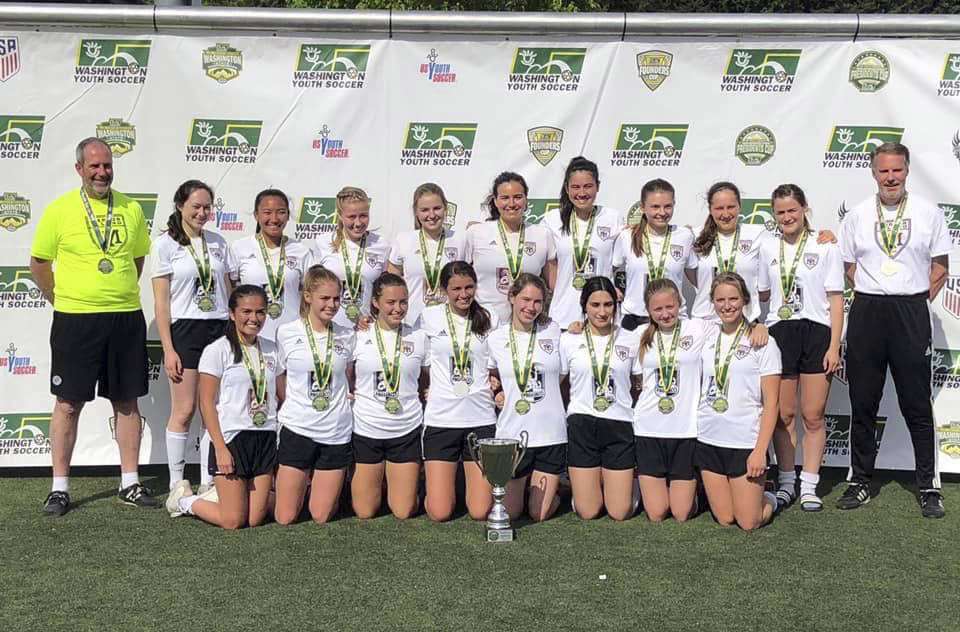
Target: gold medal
[206, 304]
[259, 418]
[105, 266]
[461, 389]
[320, 403]
[393, 406]
[785, 312]
[889, 267]
[665, 405]
[274, 310]
[721, 405]
[601, 403]
[353, 311]
[522, 407]
[579, 281]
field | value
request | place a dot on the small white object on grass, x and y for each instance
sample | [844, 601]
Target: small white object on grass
[603, 577]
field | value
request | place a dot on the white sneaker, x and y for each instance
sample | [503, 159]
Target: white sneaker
[210, 495]
[203, 489]
[180, 489]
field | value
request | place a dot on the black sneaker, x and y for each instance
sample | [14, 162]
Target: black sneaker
[855, 496]
[138, 496]
[785, 498]
[931, 504]
[56, 503]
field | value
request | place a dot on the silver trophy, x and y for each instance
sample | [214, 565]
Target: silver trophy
[498, 459]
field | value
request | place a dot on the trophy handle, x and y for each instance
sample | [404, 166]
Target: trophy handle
[473, 445]
[522, 449]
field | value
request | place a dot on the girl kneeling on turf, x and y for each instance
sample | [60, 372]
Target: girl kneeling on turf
[316, 421]
[738, 411]
[238, 401]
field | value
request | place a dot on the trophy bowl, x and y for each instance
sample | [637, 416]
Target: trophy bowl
[498, 459]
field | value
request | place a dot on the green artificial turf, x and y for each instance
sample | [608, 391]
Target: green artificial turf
[104, 566]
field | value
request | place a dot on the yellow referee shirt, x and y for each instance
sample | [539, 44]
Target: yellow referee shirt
[64, 235]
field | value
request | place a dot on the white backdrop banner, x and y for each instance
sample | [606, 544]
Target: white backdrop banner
[309, 115]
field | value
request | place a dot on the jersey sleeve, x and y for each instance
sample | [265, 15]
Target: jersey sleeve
[47, 237]
[940, 242]
[426, 348]
[281, 354]
[637, 367]
[141, 247]
[211, 360]
[763, 275]
[618, 250]
[565, 354]
[468, 236]
[396, 254]
[306, 261]
[833, 280]
[770, 361]
[551, 244]
[233, 263]
[848, 229]
[162, 261]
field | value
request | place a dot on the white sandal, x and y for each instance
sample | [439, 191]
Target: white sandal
[810, 502]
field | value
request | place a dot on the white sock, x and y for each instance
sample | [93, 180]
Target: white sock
[808, 483]
[771, 498]
[787, 479]
[129, 478]
[205, 477]
[176, 455]
[186, 504]
[61, 484]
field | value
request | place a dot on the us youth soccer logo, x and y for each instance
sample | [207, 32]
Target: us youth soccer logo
[760, 70]
[9, 56]
[24, 434]
[328, 146]
[546, 69]
[331, 66]
[18, 290]
[154, 360]
[118, 134]
[653, 66]
[945, 364]
[869, 71]
[317, 215]
[222, 62]
[148, 203]
[948, 439]
[223, 141]
[14, 211]
[649, 144]
[227, 220]
[438, 144]
[435, 72]
[758, 211]
[949, 78]
[544, 143]
[12, 362]
[538, 207]
[755, 145]
[951, 296]
[112, 61]
[850, 146]
[20, 136]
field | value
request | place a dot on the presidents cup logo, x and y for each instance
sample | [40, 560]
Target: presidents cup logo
[654, 67]
[437, 73]
[20, 136]
[11, 363]
[946, 368]
[755, 145]
[118, 134]
[14, 211]
[760, 70]
[226, 220]
[949, 78]
[544, 143]
[330, 147]
[546, 69]
[9, 56]
[948, 439]
[438, 144]
[222, 62]
[18, 289]
[869, 71]
[148, 203]
[112, 61]
[223, 141]
[538, 207]
[951, 295]
[849, 146]
[317, 215]
[24, 434]
[758, 211]
[649, 144]
[154, 360]
[331, 66]
[635, 213]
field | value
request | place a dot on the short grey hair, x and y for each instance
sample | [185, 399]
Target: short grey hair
[897, 149]
[90, 140]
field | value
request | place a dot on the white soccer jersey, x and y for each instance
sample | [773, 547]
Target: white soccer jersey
[546, 422]
[370, 417]
[739, 426]
[334, 425]
[575, 363]
[374, 264]
[679, 257]
[169, 258]
[446, 409]
[923, 235]
[565, 305]
[248, 267]
[485, 251]
[236, 389]
[747, 265]
[681, 423]
[406, 254]
[819, 271]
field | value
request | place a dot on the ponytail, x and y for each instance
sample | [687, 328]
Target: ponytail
[180, 197]
[479, 317]
[241, 291]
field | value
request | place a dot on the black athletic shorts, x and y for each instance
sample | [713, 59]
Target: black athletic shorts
[405, 449]
[450, 444]
[630, 322]
[731, 462]
[596, 441]
[304, 453]
[803, 343]
[549, 459]
[254, 454]
[190, 337]
[105, 352]
[669, 458]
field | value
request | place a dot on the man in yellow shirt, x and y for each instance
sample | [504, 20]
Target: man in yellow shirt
[98, 238]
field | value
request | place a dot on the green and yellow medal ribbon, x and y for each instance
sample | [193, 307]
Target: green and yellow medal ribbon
[461, 353]
[721, 371]
[204, 269]
[102, 238]
[258, 378]
[353, 273]
[727, 265]
[274, 281]
[601, 372]
[656, 272]
[514, 261]
[788, 279]
[581, 250]
[431, 274]
[321, 370]
[889, 239]
[391, 372]
[668, 362]
[522, 373]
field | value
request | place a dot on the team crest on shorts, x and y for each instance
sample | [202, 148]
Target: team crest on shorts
[622, 352]
[546, 345]
[676, 252]
[686, 342]
[529, 248]
[407, 347]
[810, 260]
[745, 245]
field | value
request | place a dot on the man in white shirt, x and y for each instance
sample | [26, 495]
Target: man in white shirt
[895, 249]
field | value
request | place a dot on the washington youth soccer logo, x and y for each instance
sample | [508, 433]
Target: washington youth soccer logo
[755, 145]
[437, 72]
[24, 434]
[328, 146]
[838, 436]
[544, 143]
[951, 213]
[331, 66]
[948, 439]
[537, 208]
[18, 290]
[222, 62]
[945, 364]
[951, 296]
[653, 66]
[438, 144]
[20, 136]
[112, 61]
[226, 219]
[14, 211]
[9, 56]
[850, 146]
[223, 141]
[118, 134]
[949, 78]
[14, 362]
[869, 71]
[760, 70]
[317, 215]
[546, 69]
[148, 203]
[758, 211]
[649, 144]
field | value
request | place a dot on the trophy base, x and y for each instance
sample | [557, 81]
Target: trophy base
[501, 535]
